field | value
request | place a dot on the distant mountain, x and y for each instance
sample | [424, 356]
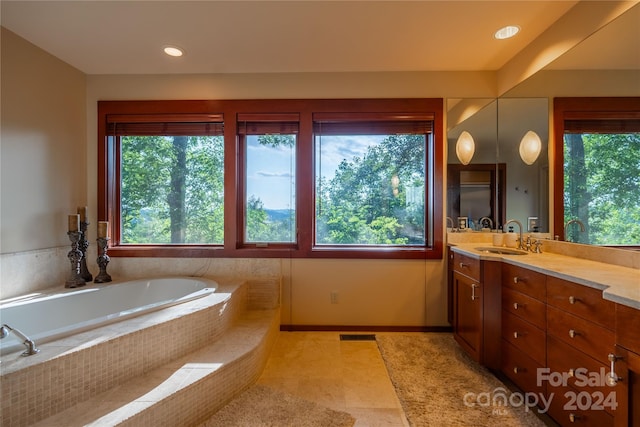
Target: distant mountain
[277, 215]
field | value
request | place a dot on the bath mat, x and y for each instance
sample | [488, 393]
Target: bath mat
[261, 406]
[432, 376]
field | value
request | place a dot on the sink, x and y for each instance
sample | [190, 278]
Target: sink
[500, 251]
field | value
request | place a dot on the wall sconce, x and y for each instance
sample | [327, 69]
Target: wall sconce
[465, 147]
[530, 147]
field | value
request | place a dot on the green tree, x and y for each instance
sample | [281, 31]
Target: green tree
[366, 200]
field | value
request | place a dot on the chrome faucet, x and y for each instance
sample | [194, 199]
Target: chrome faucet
[520, 242]
[482, 220]
[31, 346]
[572, 221]
[450, 220]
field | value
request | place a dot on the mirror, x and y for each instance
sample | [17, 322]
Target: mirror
[527, 185]
[497, 183]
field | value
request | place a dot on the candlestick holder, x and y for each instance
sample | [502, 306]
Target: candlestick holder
[74, 255]
[83, 245]
[103, 260]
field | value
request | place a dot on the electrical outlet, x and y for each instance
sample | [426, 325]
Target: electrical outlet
[533, 226]
[334, 297]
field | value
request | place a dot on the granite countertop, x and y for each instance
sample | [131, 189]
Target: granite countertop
[619, 284]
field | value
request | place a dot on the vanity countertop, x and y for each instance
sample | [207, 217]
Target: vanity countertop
[619, 284]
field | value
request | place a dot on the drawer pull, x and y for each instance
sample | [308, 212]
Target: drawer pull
[473, 292]
[612, 378]
[463, 265]
[516, 305]
[572, 373]
[516, 335]
[517, 370]
[573, 418]
[517, 279]
[573, 333]
[573, 300]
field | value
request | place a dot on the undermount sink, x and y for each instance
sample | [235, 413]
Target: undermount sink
[500, 251]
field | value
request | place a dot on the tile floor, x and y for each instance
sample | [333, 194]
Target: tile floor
[347, 376]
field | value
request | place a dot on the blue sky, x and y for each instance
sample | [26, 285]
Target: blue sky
[270, 170]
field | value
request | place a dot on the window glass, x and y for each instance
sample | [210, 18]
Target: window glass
[601, 187]
[171, 189]
[270, 214]
[370, 184]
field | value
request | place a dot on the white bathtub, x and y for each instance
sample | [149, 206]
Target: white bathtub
[50, 316]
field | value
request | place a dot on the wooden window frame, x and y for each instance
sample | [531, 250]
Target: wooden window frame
[109, 179]
[576, 109]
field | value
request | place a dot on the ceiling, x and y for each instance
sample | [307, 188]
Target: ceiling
[127, 37]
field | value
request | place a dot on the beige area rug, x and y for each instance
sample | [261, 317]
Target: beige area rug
[261, 406]
[434, 378]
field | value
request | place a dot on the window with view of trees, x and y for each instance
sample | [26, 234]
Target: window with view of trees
[601, 170]
[171, 182]
[370, 182]
[272, 178]
[268, 142]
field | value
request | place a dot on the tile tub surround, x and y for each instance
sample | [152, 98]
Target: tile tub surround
[77, 368]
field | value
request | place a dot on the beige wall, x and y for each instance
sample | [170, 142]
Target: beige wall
[43, 137]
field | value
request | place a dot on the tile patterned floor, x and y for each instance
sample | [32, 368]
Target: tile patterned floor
[347, 376]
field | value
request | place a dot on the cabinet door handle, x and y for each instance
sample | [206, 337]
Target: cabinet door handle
[473, 292]
[612, 378]
[573, 418]
[573, 300]
[573, 333]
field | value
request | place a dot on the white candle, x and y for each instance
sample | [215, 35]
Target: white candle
[82, 211]
[74, 222]
[103, 229]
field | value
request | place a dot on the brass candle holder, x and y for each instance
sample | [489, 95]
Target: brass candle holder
[75, 256]
[83, 245]
[103, 260]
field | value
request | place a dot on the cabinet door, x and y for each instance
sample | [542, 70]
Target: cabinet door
[627, 367]
[468, 314]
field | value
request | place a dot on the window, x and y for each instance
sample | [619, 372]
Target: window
[171, 178]
[370, 179]
[600, 146]
[272, 178]
[268, 142]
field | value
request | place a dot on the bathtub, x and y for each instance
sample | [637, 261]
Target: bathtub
[50, 316]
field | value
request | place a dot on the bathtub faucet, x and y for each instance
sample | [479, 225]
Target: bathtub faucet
[31, 346]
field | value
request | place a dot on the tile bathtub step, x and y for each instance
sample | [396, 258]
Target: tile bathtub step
[188, 390]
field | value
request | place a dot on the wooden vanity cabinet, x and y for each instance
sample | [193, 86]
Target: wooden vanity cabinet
[627, 366]
[476, 307]
[580, 335]
[523, 326]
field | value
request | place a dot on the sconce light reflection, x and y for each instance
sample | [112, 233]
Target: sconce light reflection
[465, 147]
[395, 182]
[530, 147]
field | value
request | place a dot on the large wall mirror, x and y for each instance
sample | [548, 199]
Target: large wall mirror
[502, 177]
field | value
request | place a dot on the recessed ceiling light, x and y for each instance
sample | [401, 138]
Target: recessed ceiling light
[173, 51]
[507, 32]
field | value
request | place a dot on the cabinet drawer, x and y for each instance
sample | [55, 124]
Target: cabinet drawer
[586, 336]
[565, 408]
[520, 368]
[524, 306]
[466, 265]
[566, 360]
[523, 280]
[582, 301]
[525, 336]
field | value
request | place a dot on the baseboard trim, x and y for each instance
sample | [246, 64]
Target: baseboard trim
[363, 328]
